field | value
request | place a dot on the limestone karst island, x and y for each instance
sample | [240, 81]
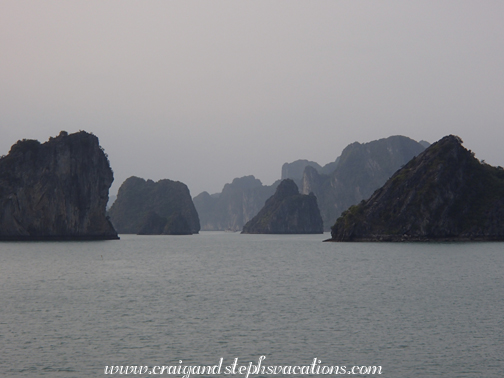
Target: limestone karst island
[287, 212]
[146, 207]
[391, 189]
[57, 190]
[443, 194]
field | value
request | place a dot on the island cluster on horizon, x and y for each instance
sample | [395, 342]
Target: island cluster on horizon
[392, 189]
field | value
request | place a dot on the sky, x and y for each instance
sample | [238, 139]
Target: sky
[206, 91]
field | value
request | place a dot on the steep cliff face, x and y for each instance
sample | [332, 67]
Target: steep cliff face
[360, 170]
[148, 207]
[445, 193]
[287, 212]
[57, 190]
[314, 182]
[238, 202]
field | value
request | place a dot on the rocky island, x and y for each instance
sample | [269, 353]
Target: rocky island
[238, 203]
[287, 212]
[356, 174]
[443, 194]
[146, 207]
[353, 176]
[57, 190]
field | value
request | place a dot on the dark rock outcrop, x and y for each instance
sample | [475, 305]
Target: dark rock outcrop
[154, 208]
[287, 212]
[359, 171]
[57, 190]
[444, 193]
[154, 224]
[238, 202]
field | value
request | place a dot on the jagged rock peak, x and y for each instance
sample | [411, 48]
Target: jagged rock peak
[57, 190]
[444, 193]
[286, 189]
[287, 212]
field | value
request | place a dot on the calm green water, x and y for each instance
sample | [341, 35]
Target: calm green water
[418, 310]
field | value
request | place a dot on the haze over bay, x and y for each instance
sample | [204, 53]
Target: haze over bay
[203, 92]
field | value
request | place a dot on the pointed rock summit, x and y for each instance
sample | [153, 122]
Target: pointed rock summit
[444, 193]
[287, 212]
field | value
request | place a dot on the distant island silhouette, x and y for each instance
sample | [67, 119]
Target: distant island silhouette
[353, 176]
[287, 212]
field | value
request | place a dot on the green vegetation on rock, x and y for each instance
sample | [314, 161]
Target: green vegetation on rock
[444, 193]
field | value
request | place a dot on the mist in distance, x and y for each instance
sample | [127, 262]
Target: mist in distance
[203, 92]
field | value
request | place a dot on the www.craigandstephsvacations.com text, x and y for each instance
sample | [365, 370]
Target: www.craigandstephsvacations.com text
[245, 370]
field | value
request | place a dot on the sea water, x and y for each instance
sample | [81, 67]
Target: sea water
[71, 309]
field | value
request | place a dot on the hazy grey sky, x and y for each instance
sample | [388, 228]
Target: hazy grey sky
[206, 91]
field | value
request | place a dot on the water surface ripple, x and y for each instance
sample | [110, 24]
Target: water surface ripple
[418, 310]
